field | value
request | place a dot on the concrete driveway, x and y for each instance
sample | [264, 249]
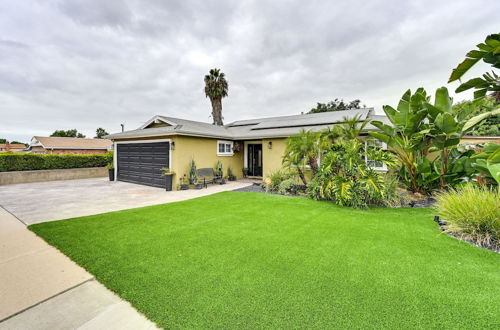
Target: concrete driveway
[40, 288]
[56, 200]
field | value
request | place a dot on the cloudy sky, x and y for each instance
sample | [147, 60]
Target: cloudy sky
[90, 63]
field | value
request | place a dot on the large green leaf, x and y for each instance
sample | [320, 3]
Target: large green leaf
[446, 123]
[390, 112]
[462, 68]
[477, 119]
[404, 103]
[472, 83]
[443, 101]
[382, 137]
[493, 164]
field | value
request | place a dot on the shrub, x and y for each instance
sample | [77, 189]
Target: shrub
[218, 169]
[29, 162]
[192, 175]
[288, 186]
[346, 179]
[273, 180]
[472, 212]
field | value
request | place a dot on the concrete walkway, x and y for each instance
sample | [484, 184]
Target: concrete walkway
[40, 288]
[56, 200]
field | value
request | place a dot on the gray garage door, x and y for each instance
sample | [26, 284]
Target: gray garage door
[142, 162]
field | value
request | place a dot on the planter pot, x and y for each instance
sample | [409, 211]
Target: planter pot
[184, 186]
[222, 181]
[232, 178]
[111, 173]
[168, 182]
[198, 186]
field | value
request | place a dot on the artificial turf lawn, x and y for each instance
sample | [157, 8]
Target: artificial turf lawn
[251, 260]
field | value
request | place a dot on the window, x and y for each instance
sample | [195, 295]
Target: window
[372, 163]
[224, 148]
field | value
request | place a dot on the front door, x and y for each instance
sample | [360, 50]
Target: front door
[254, 160]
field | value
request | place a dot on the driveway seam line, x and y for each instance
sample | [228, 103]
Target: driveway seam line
[24, 223]
[46, 299]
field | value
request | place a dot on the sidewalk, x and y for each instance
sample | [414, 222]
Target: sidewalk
[40, 288]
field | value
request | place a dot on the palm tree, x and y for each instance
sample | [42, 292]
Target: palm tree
[216, 88]
[303, 149]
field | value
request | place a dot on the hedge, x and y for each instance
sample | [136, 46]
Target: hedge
[29, 162]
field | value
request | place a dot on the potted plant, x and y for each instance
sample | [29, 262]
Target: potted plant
[230, 174]
[245, 172]
[168, 174]
[198, 185]
[237, 146]
[111, 171]
[193, 177]
[219, 172]
[184, 183]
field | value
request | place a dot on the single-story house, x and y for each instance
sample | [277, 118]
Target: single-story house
[12, 147]
[68, 145]
[257, 144]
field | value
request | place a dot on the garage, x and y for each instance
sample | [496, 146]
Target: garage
[142, 162]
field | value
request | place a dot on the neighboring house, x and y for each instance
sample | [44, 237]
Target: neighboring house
[67, 145]
[257, 144]
[12, 147]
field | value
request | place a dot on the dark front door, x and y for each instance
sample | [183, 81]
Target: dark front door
[254, 160]
[142, 162]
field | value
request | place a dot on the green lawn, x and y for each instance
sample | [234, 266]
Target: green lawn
[250, 260]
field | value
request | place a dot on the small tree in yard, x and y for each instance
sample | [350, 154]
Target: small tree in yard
[304, 149]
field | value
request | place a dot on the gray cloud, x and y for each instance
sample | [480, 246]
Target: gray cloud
[88, 64]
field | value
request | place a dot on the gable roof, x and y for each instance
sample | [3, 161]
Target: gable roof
[12, 146]
[269, 127]
[52, 142]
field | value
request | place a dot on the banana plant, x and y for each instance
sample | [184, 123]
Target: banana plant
[488, 52]
[488, 161]
[407, 137]
[446, 129]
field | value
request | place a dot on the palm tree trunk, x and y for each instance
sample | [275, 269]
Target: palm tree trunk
[217, 111]
[313, 163]
[302, 176]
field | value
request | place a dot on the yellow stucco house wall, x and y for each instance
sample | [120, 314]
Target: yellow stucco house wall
[257, 145]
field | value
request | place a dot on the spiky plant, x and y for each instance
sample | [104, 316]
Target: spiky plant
[216, 89]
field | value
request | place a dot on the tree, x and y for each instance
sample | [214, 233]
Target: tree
[488, 52]
[3, 141]
[336, 105]
[100, 132]
[216, 88]
[345, 178]
[68, 133]
[468, 109]
[418, 128]
[304, 149]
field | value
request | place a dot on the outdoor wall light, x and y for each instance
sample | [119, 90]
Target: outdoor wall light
[172, 145]
[270, 145]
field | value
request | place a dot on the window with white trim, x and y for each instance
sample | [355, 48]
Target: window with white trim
[376, 165]
[224, 148]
